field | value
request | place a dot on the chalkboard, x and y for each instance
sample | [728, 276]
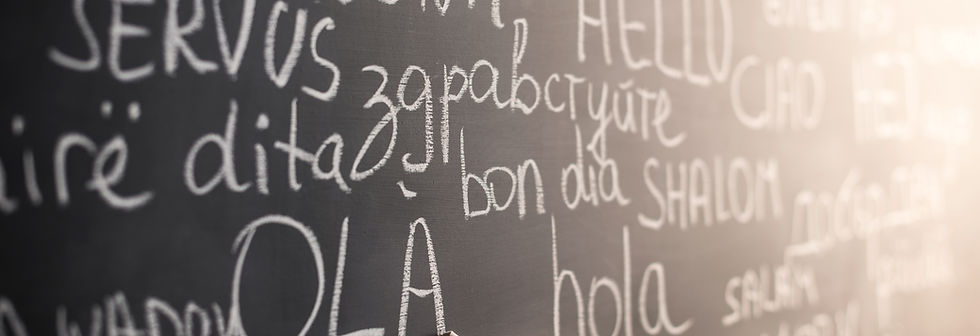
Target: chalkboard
[488, 167]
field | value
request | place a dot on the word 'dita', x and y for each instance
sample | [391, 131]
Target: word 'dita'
[653, 323]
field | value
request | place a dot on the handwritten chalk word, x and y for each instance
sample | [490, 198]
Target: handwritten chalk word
[624, 107]
[856, 210]
[813, 15]
[114, 317]
[486, 187]
[843, 322]
[708, 192]
[102, 182]
[589, 184]
[891, 104]
[770, 290]
[908, 262]
[911, 263]
[716, 60]
[886, 97]
[175, 36]
[245, 236]
[654, 274]
[793, 94]
[108, 165]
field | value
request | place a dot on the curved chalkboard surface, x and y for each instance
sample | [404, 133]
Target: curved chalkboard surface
[488, 167]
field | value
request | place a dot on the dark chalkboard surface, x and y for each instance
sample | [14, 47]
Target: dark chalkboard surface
[487, 167]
